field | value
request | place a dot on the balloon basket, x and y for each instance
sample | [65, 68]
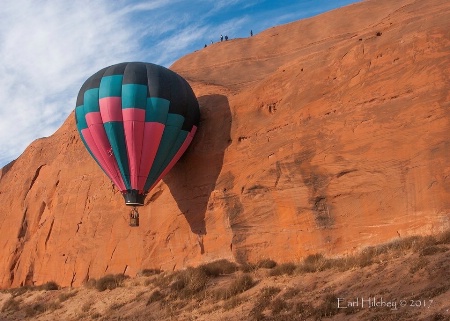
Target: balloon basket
[134, 218]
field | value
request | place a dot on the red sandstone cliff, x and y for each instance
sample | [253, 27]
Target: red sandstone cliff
[324, 135]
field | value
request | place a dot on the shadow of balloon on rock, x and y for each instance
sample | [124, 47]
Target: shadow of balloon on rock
[194, 177]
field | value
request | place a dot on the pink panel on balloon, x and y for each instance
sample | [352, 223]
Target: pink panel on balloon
[111, 109]
[152, 137]
[133, 136]
[177, 156]
[135, 114]
[110, 169]
[93, 118]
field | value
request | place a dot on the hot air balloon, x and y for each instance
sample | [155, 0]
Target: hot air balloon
[136, 120]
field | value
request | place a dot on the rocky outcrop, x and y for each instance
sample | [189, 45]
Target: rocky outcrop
[324, 135]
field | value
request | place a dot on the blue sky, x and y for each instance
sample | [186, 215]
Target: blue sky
[49, 47]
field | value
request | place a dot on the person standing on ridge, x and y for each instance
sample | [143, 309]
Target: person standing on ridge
[221, 38]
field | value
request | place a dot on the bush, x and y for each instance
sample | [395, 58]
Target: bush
[150, 272]
[291, 293]
[110, 282]
[189, 281]
[41, 307]
[328, 307]
[279, 305]
[219, 267]
[264, 298]
[313, 263]
[248, 267]
[241, 284]
[418, 264]
[91, 283]
[20, 291]
[232, 303]
[11, 305]
[155, 296]
[285, 268]
[49, 286]
[430, 250]
[65, 296]
[87, 306]
[266, 264]
[34, 309]
[444, 238]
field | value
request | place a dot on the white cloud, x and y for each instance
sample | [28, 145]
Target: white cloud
[47, 50]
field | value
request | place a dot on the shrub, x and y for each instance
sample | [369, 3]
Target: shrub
[20, 291]
[328, 307]
[241, 284]
[444, 238]
[34, 309]
[232, 303]
[49, 286]
[285, 268]
[189, 281]
[53, 306]
[65, 296]
[150, 272]
[263, 301]
[155, 296]
[87, 306]
[117, 306]
[248, 267]
[279, 305]
[266, 264]
[91, 283]
[291, 293]
[314, 261]
[110, 282]
[219, 267]
[11, 305]
[430, 250]
[419, 264]
[269, 292]
[40, 307]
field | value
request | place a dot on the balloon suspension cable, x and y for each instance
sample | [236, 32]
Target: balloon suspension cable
[134, 217]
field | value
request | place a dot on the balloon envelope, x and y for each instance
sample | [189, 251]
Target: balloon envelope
[136, 120]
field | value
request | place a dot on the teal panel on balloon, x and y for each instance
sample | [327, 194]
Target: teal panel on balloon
[91, 103]
[80, 117]
[182, 134]
[116, 137]
[111, 86]
[134, 96]
[157, 110]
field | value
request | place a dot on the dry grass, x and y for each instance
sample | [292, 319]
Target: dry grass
[196, 290]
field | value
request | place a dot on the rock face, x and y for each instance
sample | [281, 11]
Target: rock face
[326, 135]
